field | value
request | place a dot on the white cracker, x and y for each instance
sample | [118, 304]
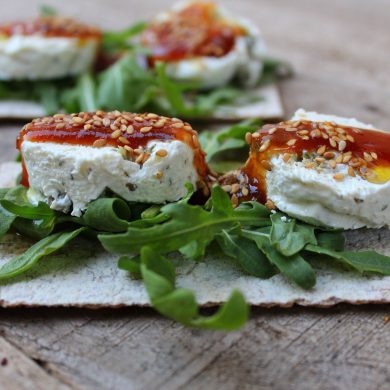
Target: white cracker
[83, 275]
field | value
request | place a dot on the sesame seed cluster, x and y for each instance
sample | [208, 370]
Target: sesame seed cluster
[120, 126]
[333, 140]
[196, 30]
[50, 26]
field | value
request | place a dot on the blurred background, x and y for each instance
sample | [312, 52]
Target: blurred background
[339, 48]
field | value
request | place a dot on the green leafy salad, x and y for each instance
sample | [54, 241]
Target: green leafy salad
[123, 81]
[262, 243]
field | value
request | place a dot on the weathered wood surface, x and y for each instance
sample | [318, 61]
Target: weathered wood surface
[340, 53]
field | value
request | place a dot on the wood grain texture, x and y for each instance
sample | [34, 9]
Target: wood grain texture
[339, 49]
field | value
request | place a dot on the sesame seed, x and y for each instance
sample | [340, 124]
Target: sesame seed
[342, 145]
[305, 137]
[374, 155]
[227, 188]
[338, 176]
[99, 143]
[256, 135]
[272, 130]
[116, 134]
[145, 129]
[138, 119]
[151, 115]
[234, 200]
[367, 157]
[332, 164]
[351, 172]
[319, 159]
[321, 150]
[78, 120]
[140, 158]
[123, 140]
[350, 138]
[270, 204]
[324, 136]
[106, 122]
[310, 165]
[339, 159]
[187, 128]
[162, 153]
[87, 127]
[346, 158]
[329, 155]
[60, 125]
[97, 123]
[130, 129]
[264, 146]
[248, 138]
[235, 188]
[138, 151]
[286, 157]
[291, 142]
[177, 125]
[159, 124]
[303, 132]
[332, 142]
[291, 129]
[266, 164]
[113, 127]
[129, 149]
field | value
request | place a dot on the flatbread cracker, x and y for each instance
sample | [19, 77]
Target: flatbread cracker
[84, 275]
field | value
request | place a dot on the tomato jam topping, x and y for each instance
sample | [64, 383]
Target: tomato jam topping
[319, 146]
[51, 26]
[127, 131]
[194, 31]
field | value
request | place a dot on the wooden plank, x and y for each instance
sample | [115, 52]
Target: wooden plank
[17, 371]
[338, 49]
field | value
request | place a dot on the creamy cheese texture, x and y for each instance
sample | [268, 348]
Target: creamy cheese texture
[244, 61]
[318, 198]
[34, 57]
[68, 177]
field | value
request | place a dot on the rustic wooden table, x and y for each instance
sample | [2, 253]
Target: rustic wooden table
[340, 50]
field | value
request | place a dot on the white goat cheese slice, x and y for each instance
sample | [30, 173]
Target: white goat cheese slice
[68, 177]
[314, 196]
[34, 57]
[244, 61]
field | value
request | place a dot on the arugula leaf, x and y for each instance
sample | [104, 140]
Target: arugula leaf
[132, 265]
[187, 224]
[246, 253]
[364, 262]
[293, 267]
[288, 236]
[114, 41]
[180, 304]
[232, 137]
[6, 218]
[107, 214]
[46, 246]
[331, 240]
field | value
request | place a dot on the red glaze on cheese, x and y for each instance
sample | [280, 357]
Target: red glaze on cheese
[128, 131]
[51, 26]
[318, 144]
[194, 31]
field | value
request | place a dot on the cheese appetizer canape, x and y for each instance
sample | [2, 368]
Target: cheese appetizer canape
[319, 168]
[46, 48]
[201, 42]
[70, 160]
